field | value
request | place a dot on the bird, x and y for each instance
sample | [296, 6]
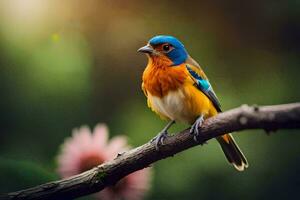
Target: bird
[178, 90]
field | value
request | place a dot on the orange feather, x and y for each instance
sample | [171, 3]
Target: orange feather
[159, 78]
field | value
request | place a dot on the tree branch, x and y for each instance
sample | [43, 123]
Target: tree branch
[269, 118]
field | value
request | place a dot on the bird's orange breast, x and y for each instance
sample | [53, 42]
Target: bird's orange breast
[159, 77]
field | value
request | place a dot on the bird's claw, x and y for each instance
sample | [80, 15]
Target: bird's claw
[159, 139]
[195, 127]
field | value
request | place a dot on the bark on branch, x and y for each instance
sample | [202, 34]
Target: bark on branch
[269, 118]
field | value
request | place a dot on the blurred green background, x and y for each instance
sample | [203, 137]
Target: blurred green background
[73, 62]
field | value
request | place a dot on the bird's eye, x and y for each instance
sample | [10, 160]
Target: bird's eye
[166, 47]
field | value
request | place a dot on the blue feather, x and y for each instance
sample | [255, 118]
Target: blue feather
[205, 87]
[178, 55]
[202, 83]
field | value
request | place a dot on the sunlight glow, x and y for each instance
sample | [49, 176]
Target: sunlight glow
[25, 11]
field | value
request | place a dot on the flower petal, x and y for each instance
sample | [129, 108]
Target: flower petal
[85, 149]
[100, 136]
[117, 145]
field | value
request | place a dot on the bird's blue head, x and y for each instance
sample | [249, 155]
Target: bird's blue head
[169, 46]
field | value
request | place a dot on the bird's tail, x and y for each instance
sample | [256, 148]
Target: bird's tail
[232, 152]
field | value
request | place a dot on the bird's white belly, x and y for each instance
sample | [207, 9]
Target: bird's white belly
[173, 106]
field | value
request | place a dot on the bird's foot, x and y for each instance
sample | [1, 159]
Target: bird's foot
[195, 127]
[159, 139]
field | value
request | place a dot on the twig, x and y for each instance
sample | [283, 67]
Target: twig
[269, 118]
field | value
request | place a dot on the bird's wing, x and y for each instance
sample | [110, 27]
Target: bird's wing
[201, 82]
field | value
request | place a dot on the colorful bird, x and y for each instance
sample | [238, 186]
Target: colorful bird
[178, 90]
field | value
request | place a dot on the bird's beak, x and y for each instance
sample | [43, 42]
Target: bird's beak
[146, 49]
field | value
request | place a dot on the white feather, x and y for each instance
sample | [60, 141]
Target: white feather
[172, 105]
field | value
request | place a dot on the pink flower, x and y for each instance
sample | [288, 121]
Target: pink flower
[85, 150]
